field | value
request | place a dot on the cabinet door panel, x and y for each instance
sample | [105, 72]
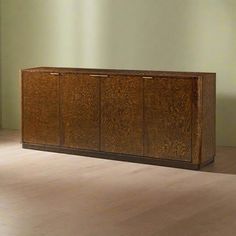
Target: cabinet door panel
[122, 115]
[167, 118]
[80, 111]
[40, 113]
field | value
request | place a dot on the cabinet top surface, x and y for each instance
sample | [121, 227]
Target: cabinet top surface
[116, 71]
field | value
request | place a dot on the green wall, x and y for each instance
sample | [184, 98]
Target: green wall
[186, 35]
[0, 67]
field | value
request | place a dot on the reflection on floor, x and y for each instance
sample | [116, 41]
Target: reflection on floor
[49, 194]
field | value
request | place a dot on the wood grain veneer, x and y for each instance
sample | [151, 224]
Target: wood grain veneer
[167, 118]
[122, 115]
[40, 108]
[155, 117]
[208, 117]
[80, 111]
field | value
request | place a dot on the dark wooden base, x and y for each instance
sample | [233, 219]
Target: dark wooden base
[118, 157]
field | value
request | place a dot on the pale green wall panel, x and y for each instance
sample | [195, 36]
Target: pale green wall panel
[0, 67]
[186, 35]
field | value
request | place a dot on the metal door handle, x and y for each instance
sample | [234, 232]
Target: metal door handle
[147, 77]
[104, 76]
[54, 73]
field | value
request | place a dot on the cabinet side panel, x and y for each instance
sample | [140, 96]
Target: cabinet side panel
[122, 115]
[167, 118]
[80, 111]
[208, 118]
[197, 120]
[40, 108]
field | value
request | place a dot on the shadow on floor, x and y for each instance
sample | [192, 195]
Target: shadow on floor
[225, 161]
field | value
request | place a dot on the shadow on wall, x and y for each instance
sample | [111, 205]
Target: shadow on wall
[226, 120]
[225, 160]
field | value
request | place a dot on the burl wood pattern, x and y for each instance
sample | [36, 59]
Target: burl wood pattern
[80, 111]
[122, 115]
[208, 117]
[40, 110]
[155, 117]
[167, 117]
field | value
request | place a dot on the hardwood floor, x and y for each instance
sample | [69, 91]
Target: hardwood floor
[51, 194]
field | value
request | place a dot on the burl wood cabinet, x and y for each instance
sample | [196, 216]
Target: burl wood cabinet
[164, 118]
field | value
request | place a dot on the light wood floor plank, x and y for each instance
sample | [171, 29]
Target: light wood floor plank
[50, 194]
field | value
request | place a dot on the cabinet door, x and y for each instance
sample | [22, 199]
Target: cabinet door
[40, 108]
[80, 111]
[167, 118]
[122, 115]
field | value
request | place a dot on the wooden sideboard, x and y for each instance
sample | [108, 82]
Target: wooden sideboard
[153, 117]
